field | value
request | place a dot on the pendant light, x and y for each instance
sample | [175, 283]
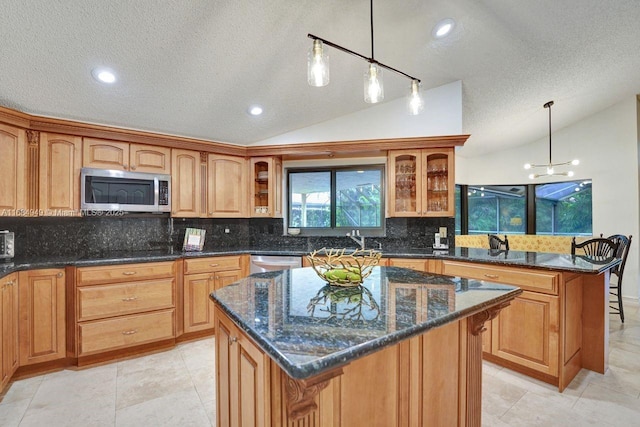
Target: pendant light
[551, 167]
[318, 72]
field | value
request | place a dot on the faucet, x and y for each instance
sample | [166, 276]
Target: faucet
[353, 235]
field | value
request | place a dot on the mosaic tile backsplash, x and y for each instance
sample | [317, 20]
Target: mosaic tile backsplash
[87, 235]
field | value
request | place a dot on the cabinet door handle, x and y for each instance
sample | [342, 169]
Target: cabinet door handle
[9, 283]
[128, 273]
[211, 277]
[131, 332]
[233, 339]
[213, 265]
[492, 276]
[133, 167]
[130, 299]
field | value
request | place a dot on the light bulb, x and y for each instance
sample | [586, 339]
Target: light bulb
[570, 173]
[575, 162]
[317, 65]
[527, 166]
[549, 170]
[373, 87]
[532, 176]
[415, 104]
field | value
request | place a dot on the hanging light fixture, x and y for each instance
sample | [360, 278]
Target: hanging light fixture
[551, 167]
[318, 72]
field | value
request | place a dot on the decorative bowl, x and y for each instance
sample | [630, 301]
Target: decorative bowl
[338, 268]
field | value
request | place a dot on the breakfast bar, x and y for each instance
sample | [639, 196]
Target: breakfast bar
[402, 349]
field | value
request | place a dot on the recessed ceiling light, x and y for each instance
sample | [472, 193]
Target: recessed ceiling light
[103, 75]
[256, 110]
[443, 28]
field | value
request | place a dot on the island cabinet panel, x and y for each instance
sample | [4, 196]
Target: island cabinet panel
[186, 183]
[42, 318]
[60, 165]
[201, 277]
[527, 332]
[227, 186]
[123, 306]
[242, 382]
[13, 164]
[9, 353]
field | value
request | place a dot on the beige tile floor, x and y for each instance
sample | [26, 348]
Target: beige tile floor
[177, 388]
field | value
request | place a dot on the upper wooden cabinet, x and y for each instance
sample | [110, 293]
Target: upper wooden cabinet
[421, 183]
[60, 164]
[265, 187]
[227, 186]
[186, 183]
[104, 154]
[13, 164]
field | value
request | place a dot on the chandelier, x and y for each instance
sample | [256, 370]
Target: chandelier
[551, 167]
[318, 72]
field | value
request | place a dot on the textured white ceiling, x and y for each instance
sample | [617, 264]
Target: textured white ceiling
[193, 68]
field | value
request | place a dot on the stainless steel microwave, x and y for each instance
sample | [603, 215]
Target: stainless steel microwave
[123, 191]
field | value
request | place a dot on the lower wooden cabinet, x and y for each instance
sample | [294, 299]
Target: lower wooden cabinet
[42, 318]
[124, 306]
[203, 276]
[429, 265]
[243, 377]
[8, 328]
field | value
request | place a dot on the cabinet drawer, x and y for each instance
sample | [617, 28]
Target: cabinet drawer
[95, 302]
[123, 272]
[413, 264]
[527, 279]
[127, 331]
[206, 265]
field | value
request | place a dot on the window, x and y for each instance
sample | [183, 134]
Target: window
[559, 208]
[497, 209]
[323, 201]
[564, 208]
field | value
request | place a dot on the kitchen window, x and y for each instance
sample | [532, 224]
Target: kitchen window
[559, 208]
[333, 201]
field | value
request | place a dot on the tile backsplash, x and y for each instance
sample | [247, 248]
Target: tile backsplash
[87, 235]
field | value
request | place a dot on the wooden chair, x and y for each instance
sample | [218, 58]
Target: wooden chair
[615, 286]
[496, 242]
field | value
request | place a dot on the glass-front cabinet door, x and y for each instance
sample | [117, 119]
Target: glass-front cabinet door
[405, 183]
[439, 177]
[421, 183]
[266, 186]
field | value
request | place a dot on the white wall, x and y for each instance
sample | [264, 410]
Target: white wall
[607, 146]
[442, 116]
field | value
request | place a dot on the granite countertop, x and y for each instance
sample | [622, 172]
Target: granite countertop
[309, 327]
[542, 260]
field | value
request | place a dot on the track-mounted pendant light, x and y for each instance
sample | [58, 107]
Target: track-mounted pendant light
[318, 72]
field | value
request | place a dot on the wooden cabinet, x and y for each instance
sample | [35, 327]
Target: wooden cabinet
[60, 165]
[227, 186]
[415, 303]
[428, 265]
[123, 306]
[526, 333]
[421, 183]
[201, 277]
[9, 357]
[13, 164]
[265, 187]
[186, 183]
[105, 154]
[242, 380]
[42, 318]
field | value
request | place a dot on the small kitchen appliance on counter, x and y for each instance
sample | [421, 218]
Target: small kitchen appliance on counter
[7, 239]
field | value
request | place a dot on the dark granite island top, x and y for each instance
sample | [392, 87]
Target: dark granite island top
[309, 327]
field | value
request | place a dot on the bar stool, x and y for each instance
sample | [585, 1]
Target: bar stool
[496, 242]
[615, 287]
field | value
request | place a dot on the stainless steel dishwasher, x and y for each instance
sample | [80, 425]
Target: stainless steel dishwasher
[262, 263]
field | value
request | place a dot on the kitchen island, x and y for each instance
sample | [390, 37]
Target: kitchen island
[403, 349]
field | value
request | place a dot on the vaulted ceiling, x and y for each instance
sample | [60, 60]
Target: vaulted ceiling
[193, 68]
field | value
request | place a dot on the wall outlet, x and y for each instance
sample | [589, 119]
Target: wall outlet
[443, 232]
[227, 231]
